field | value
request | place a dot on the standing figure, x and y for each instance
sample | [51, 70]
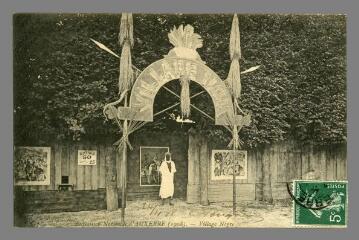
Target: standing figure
[167, 170]
[153, 171]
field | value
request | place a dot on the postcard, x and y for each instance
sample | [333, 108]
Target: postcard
[180, 120]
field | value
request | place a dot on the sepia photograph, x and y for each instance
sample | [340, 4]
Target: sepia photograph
[180, 120]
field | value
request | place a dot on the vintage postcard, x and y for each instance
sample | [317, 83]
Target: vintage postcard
[180, 120]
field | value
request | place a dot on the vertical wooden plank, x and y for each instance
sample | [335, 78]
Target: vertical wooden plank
[58, 155]
[274, 170]
[88, 176]
[193, 168]
[318, 162]
[345, 166]
[282, 167]
[103, 153]
[291, 166]
[267, 172]
[204, 159]
[298, 160]
[191, 163]
[305, 160]
[274, 164]
[80, 172]
[73, 165]
[111, 182]
[65, 159]
[330, 164]
[94, 170]
[323, 164]
[87, 172]
[341, 163]
[114, 152]
[259, 174]
[251, 167]
[54, 148]
[68, 160]
[98, 169]
[259, 165]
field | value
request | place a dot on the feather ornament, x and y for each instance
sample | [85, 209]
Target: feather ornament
[126, 29]
[235, 40]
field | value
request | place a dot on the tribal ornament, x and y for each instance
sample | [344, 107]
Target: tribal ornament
[185, 43]
[126, 77]
[185, 97]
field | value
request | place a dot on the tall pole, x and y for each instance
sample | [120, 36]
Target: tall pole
[126, 79]
[234, 83]
[124, 170]
[234, 175]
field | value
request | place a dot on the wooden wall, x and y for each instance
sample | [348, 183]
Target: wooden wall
[272, 166]
[269, 168]
[64, 163]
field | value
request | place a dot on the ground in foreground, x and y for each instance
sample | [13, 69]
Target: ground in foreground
[153, 214]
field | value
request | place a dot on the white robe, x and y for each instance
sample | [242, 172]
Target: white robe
[167, 187]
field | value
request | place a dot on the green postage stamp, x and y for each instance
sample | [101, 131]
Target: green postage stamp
[320, 203]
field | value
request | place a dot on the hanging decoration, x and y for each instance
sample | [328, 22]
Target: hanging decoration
[126, 29]
[233, 80]
[185, 97]
[126, 77]
[185, 43]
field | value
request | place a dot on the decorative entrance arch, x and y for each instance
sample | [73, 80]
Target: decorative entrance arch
[162, 71]
[182, 62]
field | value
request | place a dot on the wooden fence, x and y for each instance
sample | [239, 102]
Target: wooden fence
[269, 168]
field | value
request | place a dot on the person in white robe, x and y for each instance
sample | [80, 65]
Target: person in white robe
[167, 170]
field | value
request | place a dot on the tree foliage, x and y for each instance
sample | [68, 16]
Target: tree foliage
[62, 80]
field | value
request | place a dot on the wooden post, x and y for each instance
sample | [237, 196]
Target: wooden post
[203, 171]
[111, 183]
[234, 180]
[193, 185]
[234, 157]
[124, 170]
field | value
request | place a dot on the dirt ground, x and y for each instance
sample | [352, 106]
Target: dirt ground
[153, 214]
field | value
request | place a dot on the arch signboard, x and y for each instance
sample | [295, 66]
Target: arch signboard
[167, 69]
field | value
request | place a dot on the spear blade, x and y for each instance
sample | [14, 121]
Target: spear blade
[103, 47]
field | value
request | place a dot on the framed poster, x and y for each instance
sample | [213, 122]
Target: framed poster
[222, 164]
[150, 162]
[32, 165]
[86, 157]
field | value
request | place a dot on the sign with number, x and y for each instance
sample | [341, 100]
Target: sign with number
[87, 157]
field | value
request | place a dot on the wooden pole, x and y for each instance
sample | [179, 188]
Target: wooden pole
[234, 175]
[124, 169]
[234, 184]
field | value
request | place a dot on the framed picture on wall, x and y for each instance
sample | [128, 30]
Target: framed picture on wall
[32, 165]
[150, 162]
[222, 164]
[86, 157]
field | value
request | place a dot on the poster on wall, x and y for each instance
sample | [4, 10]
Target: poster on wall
[150, 162]
[222, 164]
[32, 165]
[86, 157]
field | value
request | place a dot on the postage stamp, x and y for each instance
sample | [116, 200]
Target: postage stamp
[320, 203]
